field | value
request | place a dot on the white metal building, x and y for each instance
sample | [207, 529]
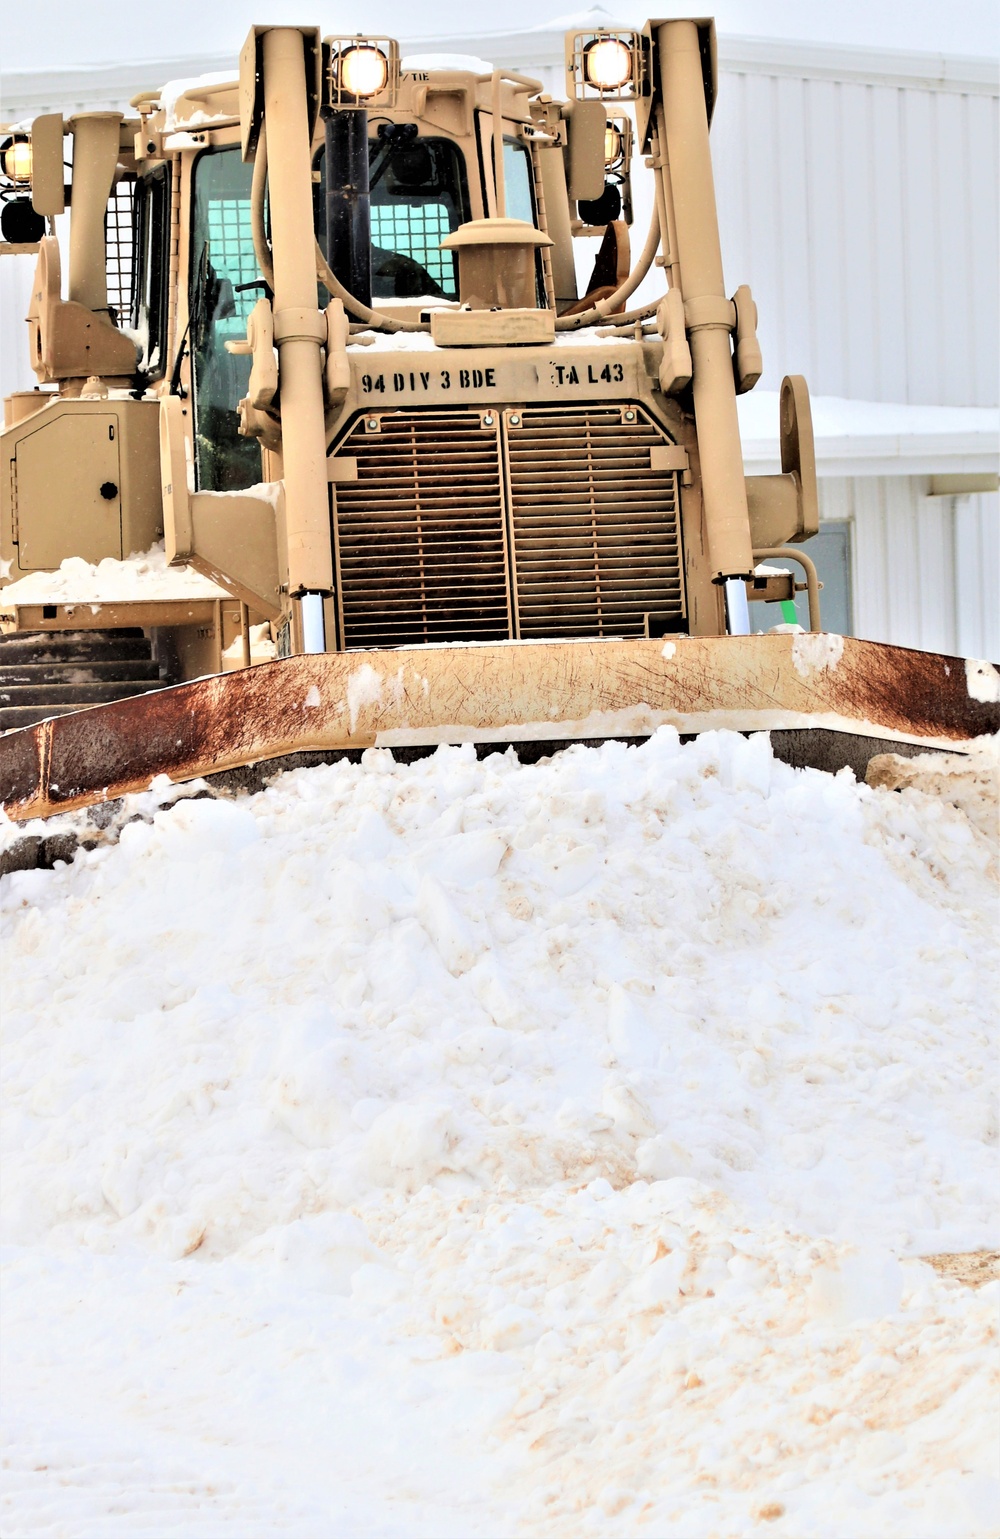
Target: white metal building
[858, 196]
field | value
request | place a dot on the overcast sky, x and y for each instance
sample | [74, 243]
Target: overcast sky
[62, 33]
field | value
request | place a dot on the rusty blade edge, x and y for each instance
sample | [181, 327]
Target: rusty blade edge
[558, 690]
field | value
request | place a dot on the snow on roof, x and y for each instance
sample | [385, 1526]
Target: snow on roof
[458, 61]
[877, 437]
[172, 92]
[593, 19]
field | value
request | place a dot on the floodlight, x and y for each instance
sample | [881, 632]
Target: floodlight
[364, 70]
[359, 70]
[607, 63]
[16, 155]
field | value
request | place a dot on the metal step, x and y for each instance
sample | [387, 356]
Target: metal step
[77, 671]
[79, 695]
[13, 716]
[53, 673]
[72, 646]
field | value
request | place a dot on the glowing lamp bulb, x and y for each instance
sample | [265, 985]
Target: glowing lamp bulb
[364, 70]
[612, 144]
[17, 160]
[607, 63]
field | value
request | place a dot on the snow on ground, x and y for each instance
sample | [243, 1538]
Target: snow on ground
[469, 1148]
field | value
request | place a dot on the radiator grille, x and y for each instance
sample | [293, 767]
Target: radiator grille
[437, 541]
[596, 542]
[419, 535]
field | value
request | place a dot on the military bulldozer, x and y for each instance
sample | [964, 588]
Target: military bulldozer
[436, 489]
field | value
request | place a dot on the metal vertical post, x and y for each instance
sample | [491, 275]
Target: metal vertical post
[299, 327]
[348, 202]
[690, 195]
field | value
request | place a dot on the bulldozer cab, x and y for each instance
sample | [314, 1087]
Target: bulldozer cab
[423, 184]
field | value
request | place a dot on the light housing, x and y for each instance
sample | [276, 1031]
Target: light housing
[618, 143]
[360, 71]
[607, 65]
[15, 156]
[364, 70]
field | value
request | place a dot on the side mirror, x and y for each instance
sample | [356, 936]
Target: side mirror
[585, 126]
[48, 191]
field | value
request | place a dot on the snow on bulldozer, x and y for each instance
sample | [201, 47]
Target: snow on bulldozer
[415, 484]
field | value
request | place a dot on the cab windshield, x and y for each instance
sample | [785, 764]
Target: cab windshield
[419, 194]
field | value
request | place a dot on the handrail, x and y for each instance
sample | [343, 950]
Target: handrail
[788, 553]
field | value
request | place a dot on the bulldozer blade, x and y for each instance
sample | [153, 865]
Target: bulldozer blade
[551, 693]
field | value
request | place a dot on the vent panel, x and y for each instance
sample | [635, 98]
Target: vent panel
[448, 516]
[421, 551]
[595, 531]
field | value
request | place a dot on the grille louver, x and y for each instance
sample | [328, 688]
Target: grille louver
[439, 540]
[595, 530]
[419, 536]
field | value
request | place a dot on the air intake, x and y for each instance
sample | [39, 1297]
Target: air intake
[480, 525]
[596, 539]
[419, 536]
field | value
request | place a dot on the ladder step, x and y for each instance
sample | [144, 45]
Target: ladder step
[72, 646]
[77, 671]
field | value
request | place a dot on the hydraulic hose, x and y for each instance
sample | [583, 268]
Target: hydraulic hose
[261, 249]
[386, 323]
[373, 318]
[604, 307]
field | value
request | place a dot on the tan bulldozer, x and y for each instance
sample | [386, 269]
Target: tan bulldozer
[414, 486]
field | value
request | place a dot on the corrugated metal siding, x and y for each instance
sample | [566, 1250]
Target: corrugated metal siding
[16, 273]
[864, 217]
[925, 570]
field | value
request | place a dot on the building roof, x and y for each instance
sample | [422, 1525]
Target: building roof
[92, 86]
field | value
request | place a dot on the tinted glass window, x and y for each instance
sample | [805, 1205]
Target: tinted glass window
[222, 262]
[517, 181]
[418, 196]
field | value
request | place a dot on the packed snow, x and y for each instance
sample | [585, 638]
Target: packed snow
[142, 576]
[476, 1148]
[262, 649]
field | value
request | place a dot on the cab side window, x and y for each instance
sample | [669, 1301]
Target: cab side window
[224, 287]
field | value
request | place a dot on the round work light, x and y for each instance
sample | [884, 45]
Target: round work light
[17, 160]
[607, 63]
[363, 70]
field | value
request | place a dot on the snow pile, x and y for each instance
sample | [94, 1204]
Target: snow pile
[521, 1149]
[969, 783]
[147, 575]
